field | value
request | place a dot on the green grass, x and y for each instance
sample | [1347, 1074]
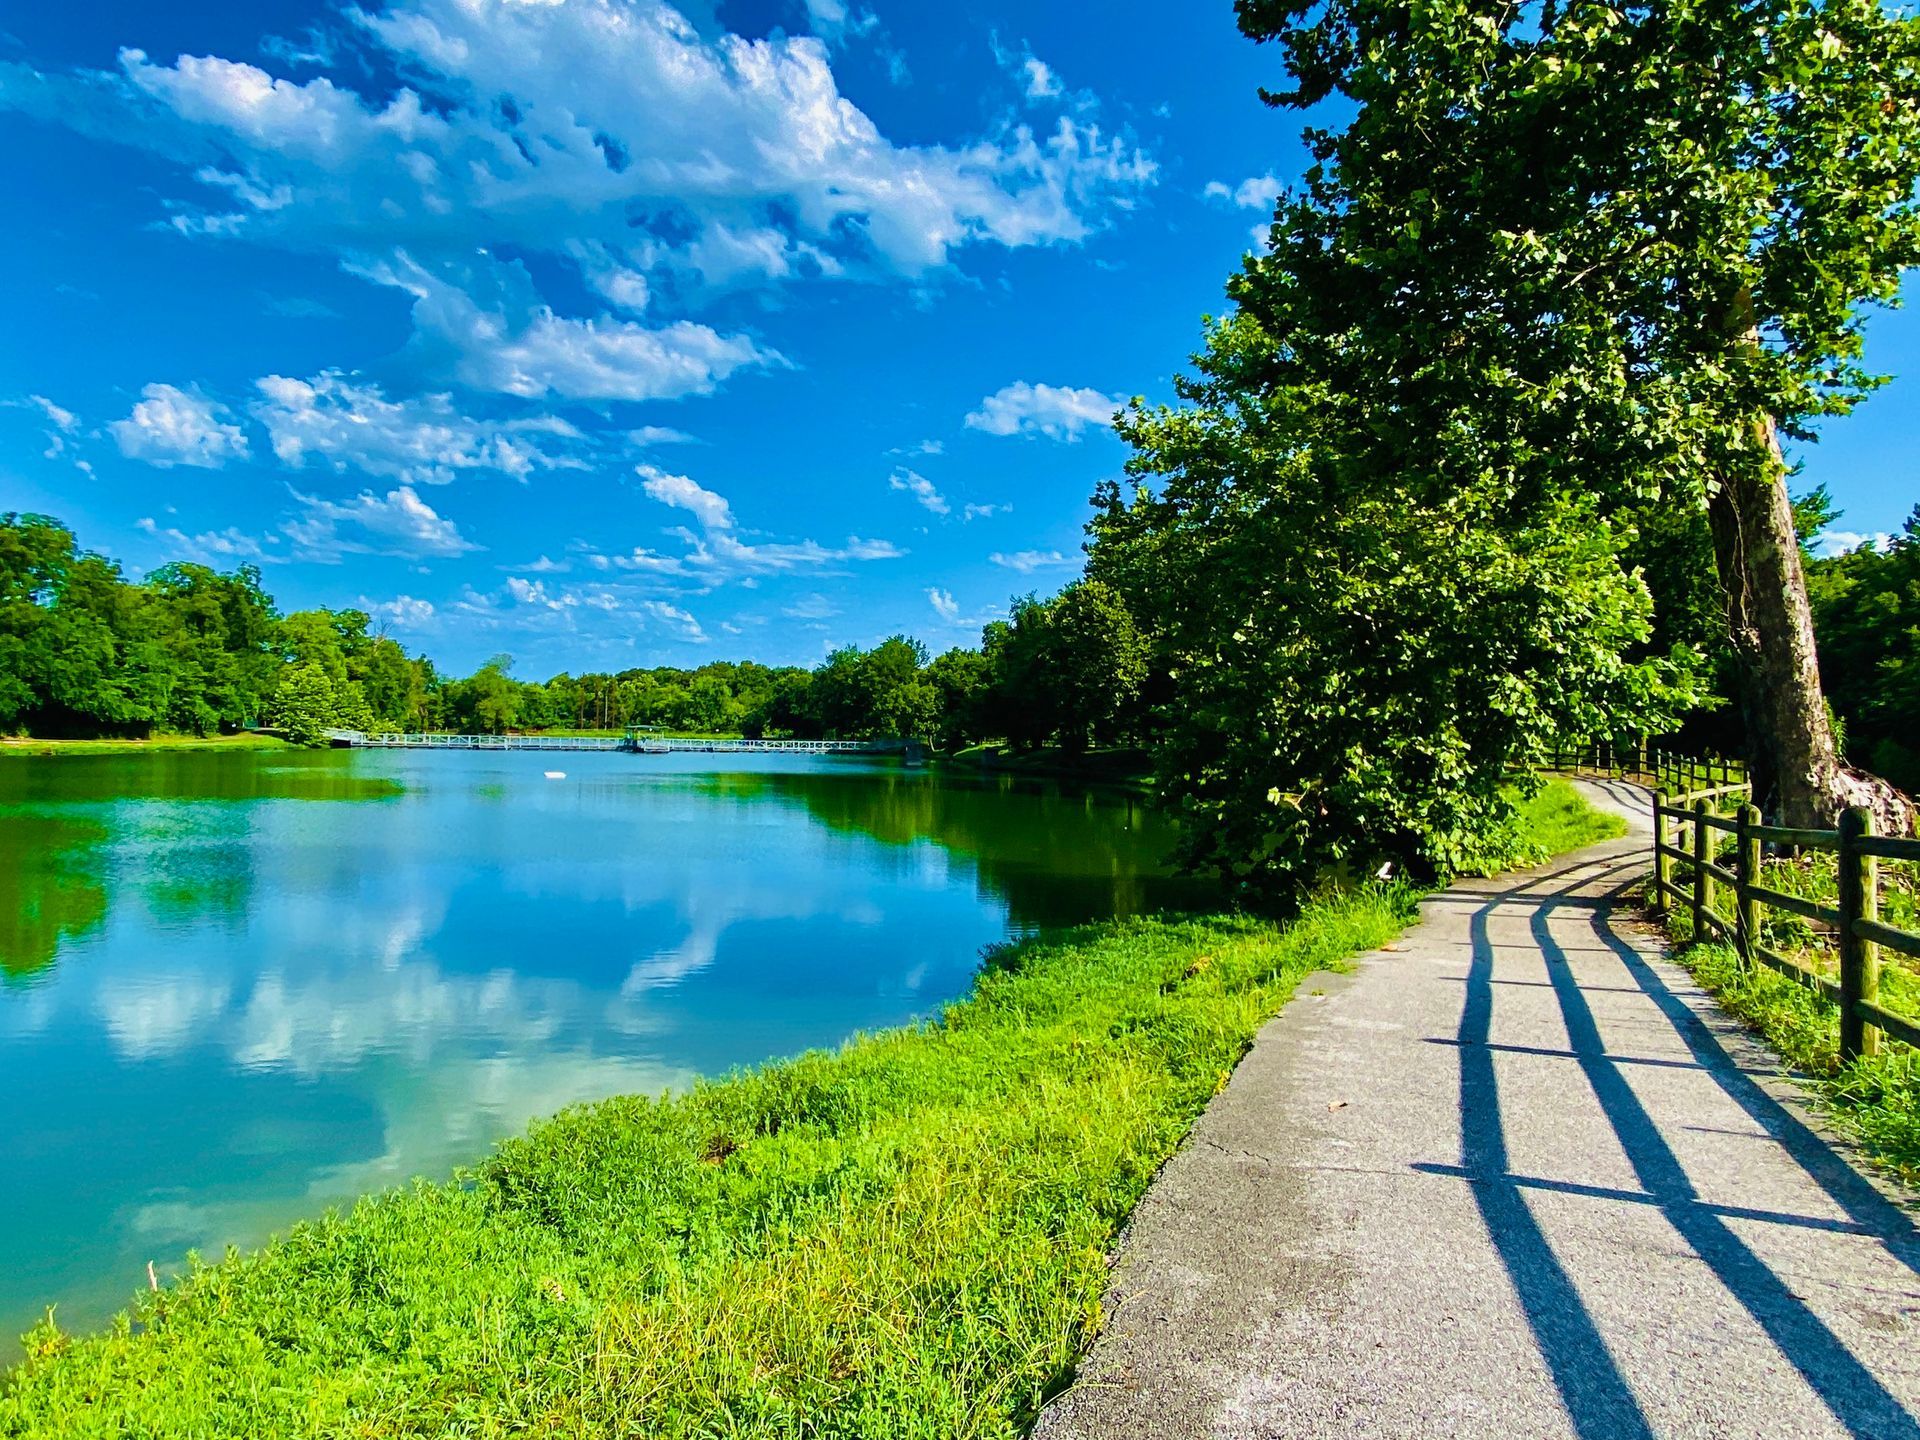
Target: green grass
[906, 1238]
[1875, 1099]
[20, 745]
[1554, 821]
[1559, 820]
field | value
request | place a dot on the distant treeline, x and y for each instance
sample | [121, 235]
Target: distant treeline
[85, 651]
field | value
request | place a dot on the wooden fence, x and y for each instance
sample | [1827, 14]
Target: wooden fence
[1650, 763]
[1691, 830]
[1704, 804]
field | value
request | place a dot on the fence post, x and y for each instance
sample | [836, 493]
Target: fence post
[1859, 959]
[1702, 882]
[1747, 908]
[1662, 862]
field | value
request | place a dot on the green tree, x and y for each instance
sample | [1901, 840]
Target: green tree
[1096, 663]
[219, 632]
[389, 681]
[837, 696]
[1614, 252]
[785, 709]
[961, 679]
[1020, 706]
[708, 707]
[1866, 607]
[488, 701]
[306, 705]
[899, 702]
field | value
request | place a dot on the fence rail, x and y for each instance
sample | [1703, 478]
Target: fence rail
[1689, 831]
[1696, 827]
[1655, 765]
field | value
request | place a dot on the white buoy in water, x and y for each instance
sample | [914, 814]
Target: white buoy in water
[556, 774]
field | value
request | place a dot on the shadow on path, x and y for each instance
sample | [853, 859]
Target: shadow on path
[1597, 1397]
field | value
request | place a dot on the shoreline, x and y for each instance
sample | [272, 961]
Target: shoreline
[251, 741]
[913, 1225]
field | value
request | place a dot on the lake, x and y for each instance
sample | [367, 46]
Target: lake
[240, 988]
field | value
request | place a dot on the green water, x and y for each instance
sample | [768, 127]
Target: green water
[240, 988]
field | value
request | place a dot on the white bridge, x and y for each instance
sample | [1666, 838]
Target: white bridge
[633, 743]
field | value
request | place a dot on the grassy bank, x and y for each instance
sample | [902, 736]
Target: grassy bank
[1558, 820]
[903, 1238]
[20, 745]
[1552, 822]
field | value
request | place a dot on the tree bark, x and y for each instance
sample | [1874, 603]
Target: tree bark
[1795, 766]
[1797, 773]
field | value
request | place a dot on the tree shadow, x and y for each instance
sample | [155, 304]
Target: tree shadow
[1598, 1399]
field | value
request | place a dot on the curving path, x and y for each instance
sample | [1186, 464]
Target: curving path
[1513, 1176]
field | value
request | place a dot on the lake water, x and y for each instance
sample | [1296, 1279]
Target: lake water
[240, 988]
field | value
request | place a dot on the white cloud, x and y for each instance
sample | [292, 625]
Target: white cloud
[615, 129]
[648, 435]
[398, 523]
[1829, 543]
[211, 547]
[1257, 193]
[718, 551]
[811, 607]
[1025, 562]
[62, 419]
[347, 424]
[1038, 80]
[534, 592]
[63, 427]
[944, 605]
[709, 508]
[1042, 83]
[524, 348]
[1060, 412]
[831, 19]
[673, 618]
[170, 426]
[921, 488]
[985, 512]
[604, 359]
[403, 612]
[925, 447]
[535, 606]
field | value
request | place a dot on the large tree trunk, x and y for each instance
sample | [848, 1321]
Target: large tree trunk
[1797, 774]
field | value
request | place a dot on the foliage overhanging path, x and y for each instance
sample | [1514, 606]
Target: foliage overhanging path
[1514, 1175]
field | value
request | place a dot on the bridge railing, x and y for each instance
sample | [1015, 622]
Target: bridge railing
[636, 744]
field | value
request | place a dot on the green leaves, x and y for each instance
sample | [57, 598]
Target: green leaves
[1502, 335]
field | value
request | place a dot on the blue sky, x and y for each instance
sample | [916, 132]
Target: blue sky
[607, 333]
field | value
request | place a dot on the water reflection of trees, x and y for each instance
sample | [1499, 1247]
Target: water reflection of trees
[51, 888]
[184, 775]
[186, 865]
[1054, 853]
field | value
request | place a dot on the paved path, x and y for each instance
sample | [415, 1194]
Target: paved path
[1514, 1176]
